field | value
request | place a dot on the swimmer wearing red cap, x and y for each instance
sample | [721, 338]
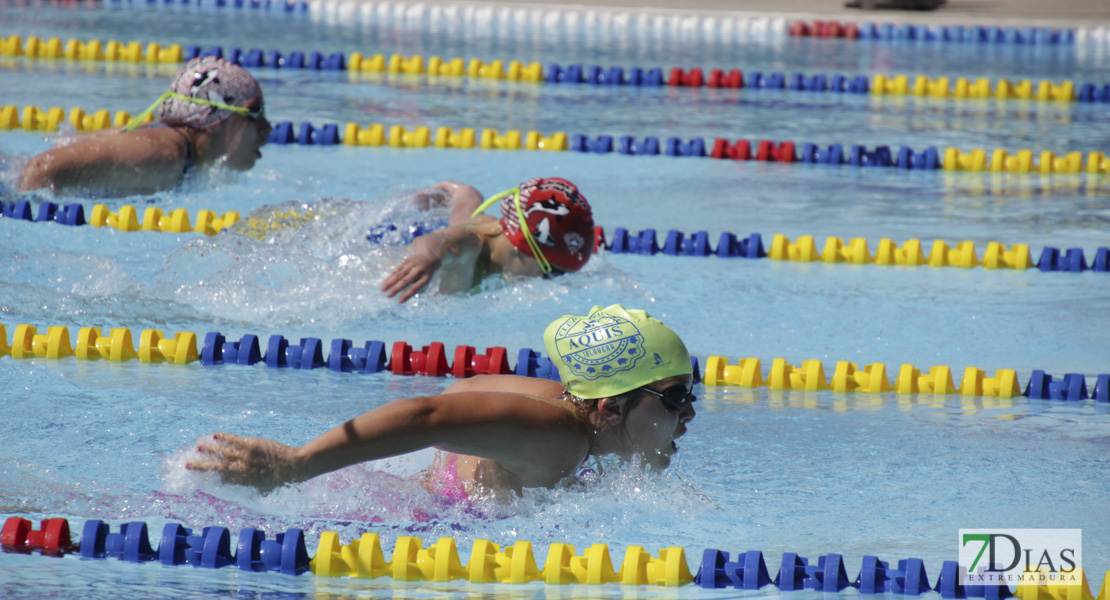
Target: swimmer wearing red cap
[546, 229]
[212, 112]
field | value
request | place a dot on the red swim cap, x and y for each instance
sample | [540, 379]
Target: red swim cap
[559, 218]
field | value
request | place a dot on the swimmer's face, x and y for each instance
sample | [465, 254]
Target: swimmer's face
[652, 428]
[522, 265]
[245, 137]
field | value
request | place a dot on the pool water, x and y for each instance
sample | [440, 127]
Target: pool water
[814, 473]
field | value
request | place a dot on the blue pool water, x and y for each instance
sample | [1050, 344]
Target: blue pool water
[889, 475]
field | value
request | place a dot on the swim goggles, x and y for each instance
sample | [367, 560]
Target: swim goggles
[675, 398]
[545, 266]
[257, 113]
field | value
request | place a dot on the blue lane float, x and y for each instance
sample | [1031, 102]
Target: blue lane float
[1071, 387]
[71, 214]
[908, 578]
[210, 549]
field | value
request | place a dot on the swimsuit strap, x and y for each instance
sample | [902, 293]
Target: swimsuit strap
[190, 149]
[555, 402]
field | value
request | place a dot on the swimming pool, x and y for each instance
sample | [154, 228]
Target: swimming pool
[891, 475]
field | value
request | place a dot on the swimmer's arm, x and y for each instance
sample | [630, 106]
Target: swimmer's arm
[428, 254]
[490, 425]
[149, 160]
[463, 200]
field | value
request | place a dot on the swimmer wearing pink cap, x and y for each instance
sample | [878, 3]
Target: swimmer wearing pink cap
[546, 229]
[212, 112]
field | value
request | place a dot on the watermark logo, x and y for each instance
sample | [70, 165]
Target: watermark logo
[1021, 556]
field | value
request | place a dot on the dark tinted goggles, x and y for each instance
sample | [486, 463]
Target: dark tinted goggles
[675, 397]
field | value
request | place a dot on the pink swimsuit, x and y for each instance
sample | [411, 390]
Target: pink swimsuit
[450, 484]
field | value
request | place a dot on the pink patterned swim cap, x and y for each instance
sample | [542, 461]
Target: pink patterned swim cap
[211, 79]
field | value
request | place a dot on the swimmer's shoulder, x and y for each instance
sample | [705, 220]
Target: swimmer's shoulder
[514, 384]
[481, 225]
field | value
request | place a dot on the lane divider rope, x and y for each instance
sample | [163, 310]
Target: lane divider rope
[856, 251]
[981, 34]
[32, 118]
[490, 563]
[432, 360]
[645, 242]
[125, 219]
[879, 84]
[1063, 39]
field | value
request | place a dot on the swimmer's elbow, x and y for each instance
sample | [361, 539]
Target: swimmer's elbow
[436, 420]
[425, 413]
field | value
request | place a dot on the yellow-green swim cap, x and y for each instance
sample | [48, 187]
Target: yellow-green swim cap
[613, 350]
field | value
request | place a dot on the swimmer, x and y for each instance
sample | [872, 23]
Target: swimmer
[212, 111]
[625, 391]
[546, 229]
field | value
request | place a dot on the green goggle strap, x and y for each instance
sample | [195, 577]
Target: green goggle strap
[145, 115]
[545, 267]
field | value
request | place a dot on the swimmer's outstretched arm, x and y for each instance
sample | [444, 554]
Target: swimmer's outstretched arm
[495, 425]
[154, 157]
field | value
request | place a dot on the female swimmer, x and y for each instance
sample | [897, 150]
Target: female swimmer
[212, 111]
[625, 390]
[546, 229]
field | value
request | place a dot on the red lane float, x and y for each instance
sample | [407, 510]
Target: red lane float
[53, 538]
[430, 360]
[468, 363]
[766, 151]
[681, 78]
[824, 29]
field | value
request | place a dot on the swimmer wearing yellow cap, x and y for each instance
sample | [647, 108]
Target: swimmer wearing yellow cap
[625, 390]
[212, 112]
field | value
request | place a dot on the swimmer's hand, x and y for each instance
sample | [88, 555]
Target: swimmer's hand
[258, 462]
[433, 197]
[411, 275]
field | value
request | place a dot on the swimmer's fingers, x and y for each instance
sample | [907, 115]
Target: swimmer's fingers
[415, 288]
[258, 462]
[394, 277]
[409, 285]
[409, 277]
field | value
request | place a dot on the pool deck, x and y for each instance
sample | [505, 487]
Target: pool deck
[1038, 13]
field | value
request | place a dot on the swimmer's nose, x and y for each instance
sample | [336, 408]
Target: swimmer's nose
[264, 129]
[688, 413]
